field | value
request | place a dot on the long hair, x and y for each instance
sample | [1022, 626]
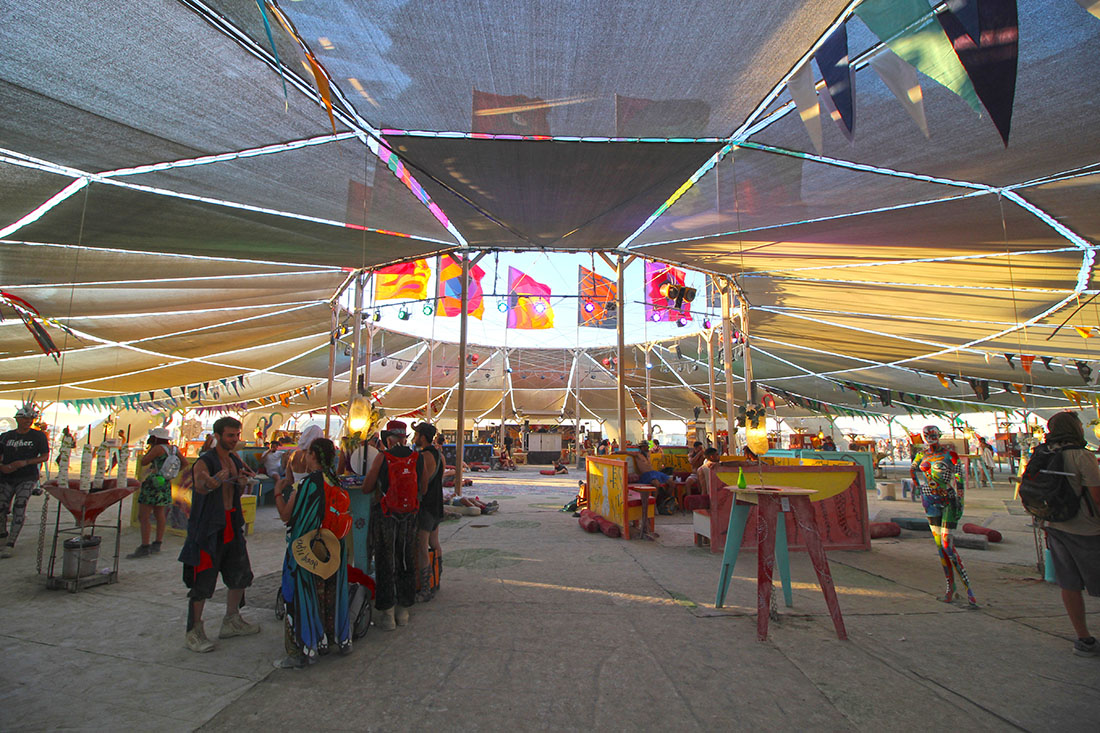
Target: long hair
[1066, 427]
[325, 453]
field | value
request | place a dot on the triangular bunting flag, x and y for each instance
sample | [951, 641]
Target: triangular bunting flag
[1090, 5]
[910, 29]
[1009, 358]
[1075, 396]
[1046, 362]
[1084, 370]
[967, 13]
[1025, 362]
[1085, 333]
[943, 380]
[801, 88]
[901, 79]
[992, 64]
[832, 61]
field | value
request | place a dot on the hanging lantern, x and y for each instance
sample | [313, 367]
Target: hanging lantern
[756, 432]
[362, 418]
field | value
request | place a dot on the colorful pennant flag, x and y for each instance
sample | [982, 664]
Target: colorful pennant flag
[901, 79]
[801, 88]
[1025, 362]
[1085, 333]
[990, 59]
[832, 61]
[1046, 362]
[597, 293]
[528, 302]
[658, 306]
[450, 289]
[1008, 358]
[1090, 5]
[943, 380]
[910, 29]
[1084, 370]
[407, 281]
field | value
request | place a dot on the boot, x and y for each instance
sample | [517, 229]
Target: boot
[386, 620]
[426, 592]
[197, 641]
[401, 615]
[141, 551]
[155, 547]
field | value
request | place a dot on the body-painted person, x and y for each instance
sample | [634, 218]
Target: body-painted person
[936, 469]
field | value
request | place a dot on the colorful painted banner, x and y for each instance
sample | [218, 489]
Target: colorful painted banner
[596, 294]
[450, 289]
[659, 307]
[407, 281]
[607, 489]
[528, 302]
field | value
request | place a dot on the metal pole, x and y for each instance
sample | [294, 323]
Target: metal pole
[577, 396]
[431, 376]
[368, 360]
[648, 400]
[713, 401]
[331, 367]
[356, 339]
[460, 439]
[504, 381]
[750, 385]
[727, 363]
[620, 392]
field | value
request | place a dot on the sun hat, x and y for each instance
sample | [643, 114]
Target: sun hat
[161, 433]
[317, 552]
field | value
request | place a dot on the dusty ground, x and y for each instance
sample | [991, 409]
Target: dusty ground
[541, 626]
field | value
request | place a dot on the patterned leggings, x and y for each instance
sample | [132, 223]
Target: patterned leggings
[21, 493]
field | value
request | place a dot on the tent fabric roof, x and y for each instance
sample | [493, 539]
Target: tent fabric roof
[190, 222]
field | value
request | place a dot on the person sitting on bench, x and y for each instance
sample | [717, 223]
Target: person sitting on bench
[647, 475]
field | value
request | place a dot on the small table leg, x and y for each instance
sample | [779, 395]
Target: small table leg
[782, 558]
[739, 517]
[765, 562]
[803, 514]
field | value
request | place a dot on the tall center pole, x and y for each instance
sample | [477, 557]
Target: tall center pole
[356, 339]
[746, 333]
[727, 362]
[713, 401]
[648, 399]
[620, 391]
[577, 397]
[460, 439]
[331, 367]
[504, 382]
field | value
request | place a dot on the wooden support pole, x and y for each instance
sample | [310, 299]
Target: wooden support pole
[713, 400]
[331, 366]
[620, 391]
[460, 438]
[356, 340]
[727, 362]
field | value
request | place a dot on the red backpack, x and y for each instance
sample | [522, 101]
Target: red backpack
[337, 511]
[402, 496]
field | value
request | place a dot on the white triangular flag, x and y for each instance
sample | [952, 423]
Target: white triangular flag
[801, 88]
[902, 80]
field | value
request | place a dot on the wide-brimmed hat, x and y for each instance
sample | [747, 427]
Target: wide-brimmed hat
[161, 433]
[317, 553]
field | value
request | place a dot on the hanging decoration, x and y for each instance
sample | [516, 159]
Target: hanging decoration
[666, 296]
[406, 281]
[528, 302]
[839, 96]
[33, 321]
[801, 88]
[450, 289]
[597, 299]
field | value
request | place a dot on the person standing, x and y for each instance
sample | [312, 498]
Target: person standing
[316, 607]
[942, 496]
[1075, 543]
[272, 460]
[23, 451]
[215, 540]
[396, 473]
[156, 490]
[431, 509]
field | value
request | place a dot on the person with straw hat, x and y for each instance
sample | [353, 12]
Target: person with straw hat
[315, 573]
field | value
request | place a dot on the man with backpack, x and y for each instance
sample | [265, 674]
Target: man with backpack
[399, 480]
[1074, 542]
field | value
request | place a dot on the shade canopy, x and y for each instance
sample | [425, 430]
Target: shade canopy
[185, 188]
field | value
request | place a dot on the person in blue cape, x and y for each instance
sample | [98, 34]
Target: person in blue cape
[315, 576]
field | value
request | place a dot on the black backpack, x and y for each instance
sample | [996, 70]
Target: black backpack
[1045, 490]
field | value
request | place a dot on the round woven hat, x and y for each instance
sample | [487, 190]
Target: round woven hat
[317, 552]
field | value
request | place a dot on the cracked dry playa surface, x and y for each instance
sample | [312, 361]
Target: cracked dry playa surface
[539, 625]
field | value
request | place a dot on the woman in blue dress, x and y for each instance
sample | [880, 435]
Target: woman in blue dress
[316, 608]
